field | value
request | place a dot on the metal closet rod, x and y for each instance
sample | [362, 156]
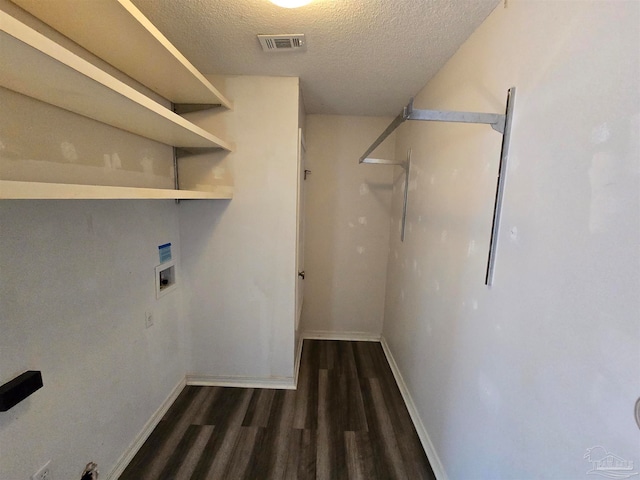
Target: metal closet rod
[496, 120]
[499, 122]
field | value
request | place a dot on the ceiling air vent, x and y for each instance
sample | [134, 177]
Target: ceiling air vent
[283, 43]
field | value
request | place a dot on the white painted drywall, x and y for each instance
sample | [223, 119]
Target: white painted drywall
[77, 278]
[520, 379]
[347, 225]
[238, 257]
[62, 147]
[105, 374]
[300, 238]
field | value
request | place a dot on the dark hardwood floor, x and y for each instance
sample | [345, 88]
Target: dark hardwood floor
[346, 420]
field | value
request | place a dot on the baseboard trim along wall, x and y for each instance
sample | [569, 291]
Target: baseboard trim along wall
[281, 383]
[429, 449]
[285, 383]
[131, 451]
[348, 336]
[298, 359]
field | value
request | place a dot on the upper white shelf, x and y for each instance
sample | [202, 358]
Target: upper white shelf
[117, 32]
[38, 67]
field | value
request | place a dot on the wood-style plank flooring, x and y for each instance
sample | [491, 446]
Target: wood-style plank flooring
[346, 420]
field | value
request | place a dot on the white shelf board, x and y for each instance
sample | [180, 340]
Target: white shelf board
[117, 32]
[33, 65]
[51, 191]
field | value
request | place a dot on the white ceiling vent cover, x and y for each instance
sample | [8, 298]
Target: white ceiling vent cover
[283, 43]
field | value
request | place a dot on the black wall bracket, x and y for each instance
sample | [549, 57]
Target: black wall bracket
[16, 390]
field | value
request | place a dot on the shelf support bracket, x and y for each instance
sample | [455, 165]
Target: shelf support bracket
[176, 176]
[406, 166]
[181, 152]
[501, 123]
[496, 120]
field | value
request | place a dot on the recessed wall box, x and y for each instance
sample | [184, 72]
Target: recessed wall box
[166, 279]
[13, 392]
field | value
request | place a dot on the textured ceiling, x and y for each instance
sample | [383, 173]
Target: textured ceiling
[364, 57]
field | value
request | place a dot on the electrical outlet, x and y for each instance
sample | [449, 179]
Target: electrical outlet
[148, 319]
[44, 473]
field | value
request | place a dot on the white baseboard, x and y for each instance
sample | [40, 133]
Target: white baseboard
[298, 359]
[349, 336]
[289, 384]
[131, 451]
[281, 383]
[429, 449]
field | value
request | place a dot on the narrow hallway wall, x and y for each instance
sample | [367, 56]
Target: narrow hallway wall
[239, 255]
[347, 226]
[518, 380]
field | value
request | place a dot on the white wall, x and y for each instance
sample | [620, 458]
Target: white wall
[105, 374]
[77, 278]
[300, 218]
[518, 380]
[347, 225]
[63, 154]
[239, 256]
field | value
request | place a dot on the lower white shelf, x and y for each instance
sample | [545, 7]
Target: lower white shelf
[10, 189]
